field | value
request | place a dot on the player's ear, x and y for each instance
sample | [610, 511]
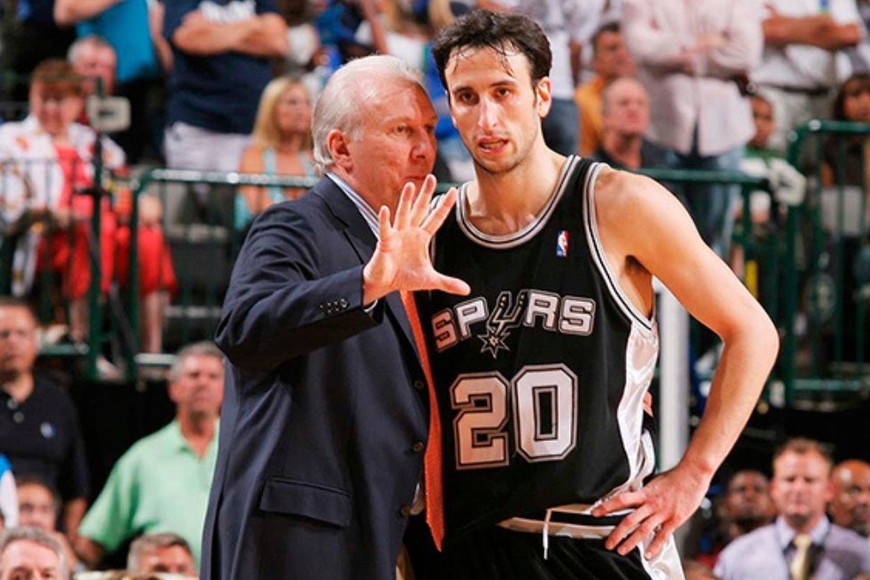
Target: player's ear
[543, 96]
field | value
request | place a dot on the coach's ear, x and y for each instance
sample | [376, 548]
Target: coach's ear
[544, 94]
[337, 144]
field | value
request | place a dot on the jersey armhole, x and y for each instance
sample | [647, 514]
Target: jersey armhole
[599, 256]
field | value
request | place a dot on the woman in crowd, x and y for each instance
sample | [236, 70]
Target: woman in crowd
[48, 163]
[280, 145]
[52, 158]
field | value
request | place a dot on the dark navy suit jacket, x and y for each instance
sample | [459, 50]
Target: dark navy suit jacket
[325, 415]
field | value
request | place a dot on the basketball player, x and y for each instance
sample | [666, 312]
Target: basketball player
[542, 369]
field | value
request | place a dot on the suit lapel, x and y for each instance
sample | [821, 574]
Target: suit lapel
[357, 231]
[361, 238]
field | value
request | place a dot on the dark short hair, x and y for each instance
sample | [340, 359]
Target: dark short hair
[502, 32]
[611, 27]
[859, 82]
[36, 479]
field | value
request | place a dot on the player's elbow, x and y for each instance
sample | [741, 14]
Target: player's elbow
[765, 337]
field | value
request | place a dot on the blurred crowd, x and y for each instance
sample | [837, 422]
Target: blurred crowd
[150, 510]
[112, 86]
[230, 86]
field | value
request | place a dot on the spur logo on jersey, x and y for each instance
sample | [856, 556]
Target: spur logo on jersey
[512, 310]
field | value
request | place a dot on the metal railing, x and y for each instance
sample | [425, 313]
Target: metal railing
[824, 353]
[199, 224]
[205, 242]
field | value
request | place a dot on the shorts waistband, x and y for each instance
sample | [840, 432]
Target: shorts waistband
[573, 521]
[557, 529]
[574, 518]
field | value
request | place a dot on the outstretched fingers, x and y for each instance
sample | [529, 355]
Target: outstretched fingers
[405, 206]
[436, 218]
[384, 225]
[452, 285]
[420, 208]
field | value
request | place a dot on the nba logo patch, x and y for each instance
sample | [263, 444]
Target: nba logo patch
[562, 244]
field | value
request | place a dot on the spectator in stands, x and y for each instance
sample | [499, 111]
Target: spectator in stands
[809, 544]
[157, 281]
[31, 553]
[625, 120]
[39, 430]
[126, 26]
[747, 504]
[850, 506]
[161, 553]
[851, 103]
[221, 51]
[38, 507]
[688, 53]
[281, 144]
[610, 60]
[53, 156]
[787, 185]
[845, 164]
[162, 482]
[798, 70]
[765, 123]
[93, 58]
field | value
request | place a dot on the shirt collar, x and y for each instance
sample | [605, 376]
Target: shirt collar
[367, 212]
[180, 443]
[786, 534]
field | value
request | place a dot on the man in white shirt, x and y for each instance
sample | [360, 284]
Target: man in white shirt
[801, 543]
[803, 59]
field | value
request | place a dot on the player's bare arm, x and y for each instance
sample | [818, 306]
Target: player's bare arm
[643, 223]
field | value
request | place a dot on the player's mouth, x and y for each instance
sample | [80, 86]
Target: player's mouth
[492, 145]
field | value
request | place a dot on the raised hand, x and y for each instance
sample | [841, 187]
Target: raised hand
[401, 260]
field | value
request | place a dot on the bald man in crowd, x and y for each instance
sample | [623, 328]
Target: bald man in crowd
[850, 506]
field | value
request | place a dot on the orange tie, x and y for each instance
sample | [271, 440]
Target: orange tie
[432, 459]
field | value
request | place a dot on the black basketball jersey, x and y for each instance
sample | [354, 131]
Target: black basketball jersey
[542, 369]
